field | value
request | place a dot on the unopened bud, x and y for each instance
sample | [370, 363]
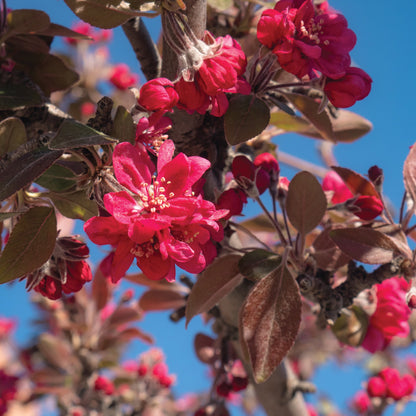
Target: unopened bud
[376, 176]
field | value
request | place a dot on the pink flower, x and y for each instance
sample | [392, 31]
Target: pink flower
[333, 182]
[390, 317]
[353, 86]
[82, 28]
[233, 200]
[158, 95]
[122, 78]
[152, 132]
[304, 39]
[104, 384]
[376, 387]
[159, 222]
[219, 70]
[361, 402]
[252, 179]
[87, 109]
[6, 327]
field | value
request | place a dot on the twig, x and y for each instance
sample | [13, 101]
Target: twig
[144, 47]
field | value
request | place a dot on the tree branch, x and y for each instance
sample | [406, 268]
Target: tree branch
[144, 47]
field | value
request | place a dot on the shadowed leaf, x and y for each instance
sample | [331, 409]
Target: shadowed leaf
[258, 263]
[246, 117]
[365, 245]
[25, 169]
[269, 321]
[305, 203]
[72, 134]
[30, 245]
[204, 348]
[75, 205]
[123, 126]
[12, 96]
[57, 178]
[215, 282]
[26, 21]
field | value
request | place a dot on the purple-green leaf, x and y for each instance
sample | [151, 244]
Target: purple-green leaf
[21, 171]
[269, 321]
[305, 203]
[258, 263]
[72, 134]
[161, 300]
[12, 134]
[215, 282]
[30, 245]
[247, 116]
[365, 244]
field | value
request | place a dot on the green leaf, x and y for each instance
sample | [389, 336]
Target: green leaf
[7, 215]
[57, 179]
[269, 321]
[286, 122]
[25, 169]
[18, 95]
[247, 116]
[258, 263]
[12, 134]
[52, 74]
[100, 13]
[27, 21]
[72, 134]
[75, 205]
[351, 328]
[305, 202]
[310, 109]
[215, 282]
[365, 244]
[30, 244]
[123, 126]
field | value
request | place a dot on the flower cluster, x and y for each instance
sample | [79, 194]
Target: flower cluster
[83, 28]
[65, 272]
[389, 384]
[122, 78]
[219, 69]
[157, 220]
[390, 318]
[307, 39]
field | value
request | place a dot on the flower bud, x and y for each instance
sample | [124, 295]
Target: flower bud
[158, 95]
[376, 387]
[353, 86]
[365, 207]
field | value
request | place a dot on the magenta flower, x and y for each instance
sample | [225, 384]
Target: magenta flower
[355, 85]
[158, 220]
[390, 318]
[122, 78]
[306, 39]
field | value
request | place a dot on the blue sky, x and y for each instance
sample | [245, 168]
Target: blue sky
[386, 50]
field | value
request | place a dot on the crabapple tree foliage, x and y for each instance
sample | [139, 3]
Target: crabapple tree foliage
[160, 173]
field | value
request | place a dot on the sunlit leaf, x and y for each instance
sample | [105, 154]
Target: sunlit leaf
[161, 300]
[30, 244]
[269, 321]
[305, 203]
[365, 244]
[12, 134]
[356, 182]
[123, 126]
[28, 21]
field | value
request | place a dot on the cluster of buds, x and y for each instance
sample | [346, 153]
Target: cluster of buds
[65, 272]
[232, 381]
[388, 384]
[251, 179]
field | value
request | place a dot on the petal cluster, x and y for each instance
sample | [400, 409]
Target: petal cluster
[390, 318]
[158, 220]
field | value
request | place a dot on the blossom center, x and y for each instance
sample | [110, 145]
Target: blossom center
[312, 30]
[184, 236]
[147, 249]
[153, 196]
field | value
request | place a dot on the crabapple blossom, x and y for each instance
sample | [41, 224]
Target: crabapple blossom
[157, 220]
